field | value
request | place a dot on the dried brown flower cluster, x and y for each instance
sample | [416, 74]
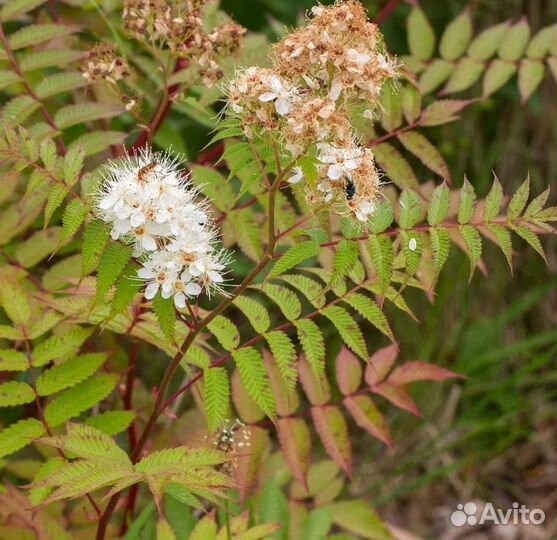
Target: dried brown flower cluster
[180, 28]
[102, 62]
[304, 99]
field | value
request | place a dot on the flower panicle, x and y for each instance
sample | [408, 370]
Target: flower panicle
[151, 203]
[305, 101]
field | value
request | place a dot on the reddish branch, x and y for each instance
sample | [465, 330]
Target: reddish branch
[388, 8]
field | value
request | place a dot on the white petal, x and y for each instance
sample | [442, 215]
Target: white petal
[151, 290]
[215, 276]
[192, 289]
[148, 243]
[180, 300]
[335, 172]
[267, 96]
[146, 273]
[282, 106]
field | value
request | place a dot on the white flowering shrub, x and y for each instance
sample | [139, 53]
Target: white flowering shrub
[172, 328]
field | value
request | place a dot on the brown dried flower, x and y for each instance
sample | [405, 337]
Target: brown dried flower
[102, 62]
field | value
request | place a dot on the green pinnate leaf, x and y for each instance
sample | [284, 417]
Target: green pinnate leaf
[493, 201]
[294, 256]
[370, 311]
[225, 331]
[111, 422]
[69, 373]
[33, 34]
[74, 215]
[71, 115]
[284, 354]
[382, 217]
[15, 393]
[410, 209]
[87, 442]
[256, 313]
[503, 238]
[530, 75]
[313, 344]
[473, 242]
[14, 299]
[76, 400]
[485, 45]
[531, 238]
[345, 258]
[514, 41]
[466, 203]
[537, 204]
[411, 103]
[425, 151]
[73, 163]
[12, 360]
[440, 248]
[519, 200]
[111, 265]
[47, 152]
[59, 83]
[381, 252]
[216, 396]
[255, 378]
[166, 316]
[434, 75]
[13, 9]
[286, 300]
[19, 435]
[359, 518]
[456, 37]
[466, 73]
[311, 289]
[95, 238]
[55, 198]
[497, 74]
[58, 346]
[347, 328]
[421, 38]
[540, 45]
[395, 166]
[439, 205]
[412, 250]
[391, 108]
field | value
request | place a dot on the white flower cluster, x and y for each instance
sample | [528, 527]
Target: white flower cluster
[305, 100]
[148, 201]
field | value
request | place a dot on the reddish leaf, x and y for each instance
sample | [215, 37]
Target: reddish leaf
[398, 396]
[287, 400]
[380, 364]
[247, 470]
[443, 111]
[247, 409]
[368, 417]
[316, 389]
[420, 371]
[295, 441]
[349, 372]
[333, 432]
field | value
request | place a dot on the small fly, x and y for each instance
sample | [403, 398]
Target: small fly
[144, 172]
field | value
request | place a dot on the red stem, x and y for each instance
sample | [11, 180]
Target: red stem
[388, 8]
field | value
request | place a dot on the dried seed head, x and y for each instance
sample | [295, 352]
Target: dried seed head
[102, 62]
